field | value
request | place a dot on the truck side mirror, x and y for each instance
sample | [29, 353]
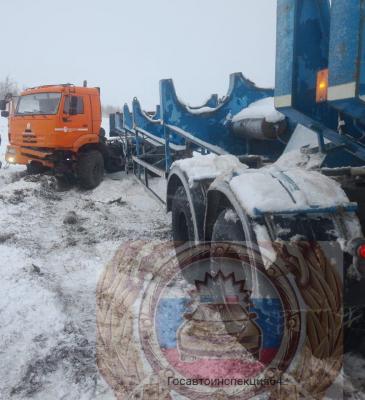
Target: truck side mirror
[3, 104]
[5, 114]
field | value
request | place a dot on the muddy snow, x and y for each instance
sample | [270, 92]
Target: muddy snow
[53, 247]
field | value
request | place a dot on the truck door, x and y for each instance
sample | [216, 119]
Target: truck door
[76, 117]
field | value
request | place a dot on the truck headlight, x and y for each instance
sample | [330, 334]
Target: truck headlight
[11, 150]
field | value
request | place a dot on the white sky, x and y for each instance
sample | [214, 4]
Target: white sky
[127, 46]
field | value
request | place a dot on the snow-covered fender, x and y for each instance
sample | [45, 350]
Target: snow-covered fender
[219, 197]
[258, 196]
[195, 175]
[271, 191]
[196, 195]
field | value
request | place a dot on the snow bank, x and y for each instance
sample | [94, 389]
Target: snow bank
[209, 167]
[270, 191]
[260, 109]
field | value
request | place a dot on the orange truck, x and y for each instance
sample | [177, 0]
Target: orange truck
[58, 127]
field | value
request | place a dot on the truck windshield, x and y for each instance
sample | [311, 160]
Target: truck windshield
[39, 103]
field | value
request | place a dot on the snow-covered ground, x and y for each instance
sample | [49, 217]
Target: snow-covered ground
[53, 247]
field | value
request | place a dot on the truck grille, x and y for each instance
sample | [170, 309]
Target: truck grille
[29, 138]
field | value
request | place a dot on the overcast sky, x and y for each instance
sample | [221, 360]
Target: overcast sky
[127, 46]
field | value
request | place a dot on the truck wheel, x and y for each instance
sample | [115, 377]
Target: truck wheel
[182, 219]
[35, 168]
[90, 169]
[115, 159]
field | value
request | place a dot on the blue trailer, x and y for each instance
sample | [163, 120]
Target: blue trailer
[240, 171]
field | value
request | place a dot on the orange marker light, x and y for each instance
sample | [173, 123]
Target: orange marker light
[322, 86]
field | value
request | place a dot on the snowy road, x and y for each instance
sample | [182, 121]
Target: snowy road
[53, 247]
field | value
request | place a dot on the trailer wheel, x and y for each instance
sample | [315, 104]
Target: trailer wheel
[228, 229]
[182, 219]
[90, 169]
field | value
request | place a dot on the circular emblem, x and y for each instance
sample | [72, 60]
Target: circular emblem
[219, 321]
[213, 321]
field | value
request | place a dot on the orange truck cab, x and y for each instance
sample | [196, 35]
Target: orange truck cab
[59, 127]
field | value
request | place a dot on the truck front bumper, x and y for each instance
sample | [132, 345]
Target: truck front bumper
[25, 155]
[13, 156]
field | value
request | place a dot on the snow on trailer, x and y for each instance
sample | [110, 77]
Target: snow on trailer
[261, 109]
[293, 191]
[210, 166]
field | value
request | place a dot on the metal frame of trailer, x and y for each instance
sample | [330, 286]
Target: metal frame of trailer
[177, 130]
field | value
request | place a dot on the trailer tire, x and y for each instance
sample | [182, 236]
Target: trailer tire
[228, 229]
[90, 169]
[182, 219]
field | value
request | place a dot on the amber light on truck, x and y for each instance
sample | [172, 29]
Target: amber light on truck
[322, 86]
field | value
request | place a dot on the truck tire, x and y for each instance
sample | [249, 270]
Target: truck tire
[90, 169]
[35, 168]
[102, 135]
[182, 219]
[114, 157]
